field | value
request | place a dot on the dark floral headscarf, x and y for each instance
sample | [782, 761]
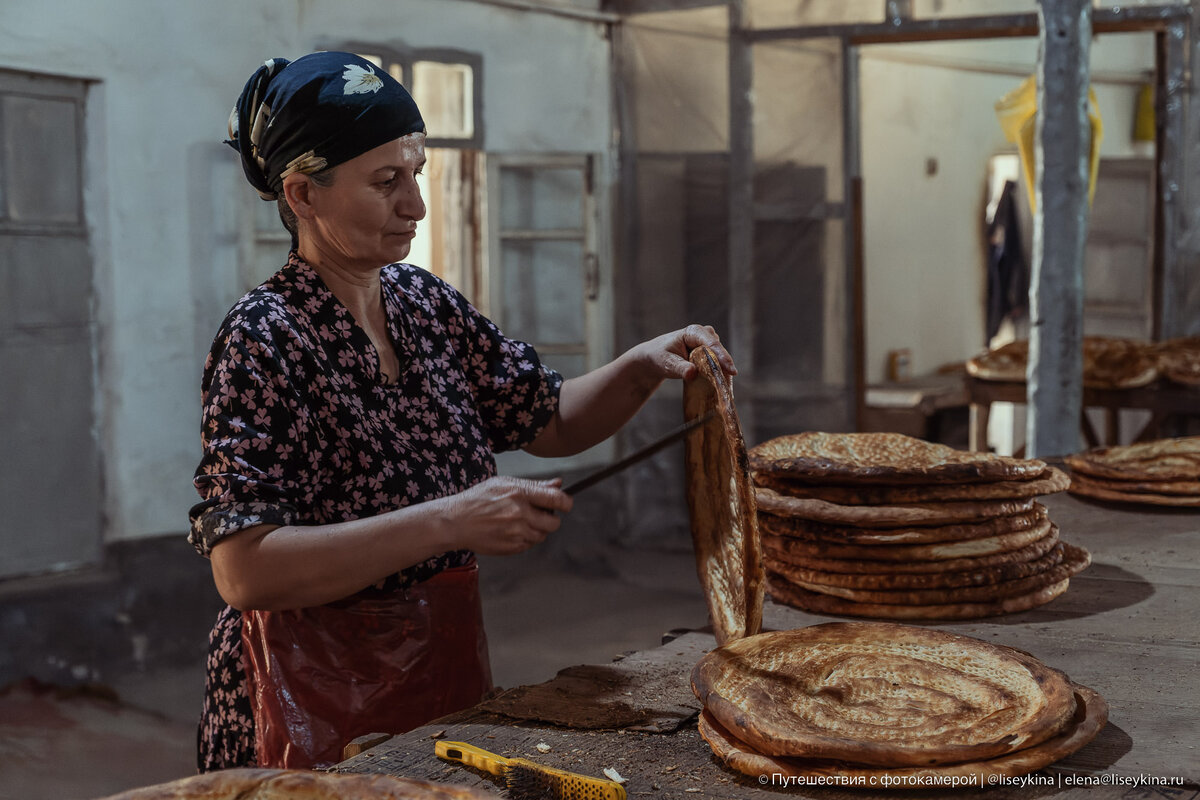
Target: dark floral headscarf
[315, 112]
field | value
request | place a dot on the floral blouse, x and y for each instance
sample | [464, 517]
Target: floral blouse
[299, 427]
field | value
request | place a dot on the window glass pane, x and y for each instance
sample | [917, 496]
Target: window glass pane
[444, 93]
[397, 72]
[543, 292]
[41, 159]
[541, 199]
[569, 364]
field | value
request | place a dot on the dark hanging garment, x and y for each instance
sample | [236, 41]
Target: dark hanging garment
[1007, 272]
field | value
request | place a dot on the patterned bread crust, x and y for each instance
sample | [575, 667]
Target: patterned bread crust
[1091, 715]
[721, 504]
[1050, 482]
[899, 515]
[935, 551]
[820, 603]
[1074, 560]
[774, 549]
[847, 534]
[882, 694]
[889, 458]
[981, 576]
[1158, 460]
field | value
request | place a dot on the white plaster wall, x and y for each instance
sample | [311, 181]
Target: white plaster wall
[924, 259]
[168, 74]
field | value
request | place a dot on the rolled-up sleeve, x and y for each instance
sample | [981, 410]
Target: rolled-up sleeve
[253, 432]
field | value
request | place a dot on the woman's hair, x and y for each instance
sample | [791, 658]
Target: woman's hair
[322, 177]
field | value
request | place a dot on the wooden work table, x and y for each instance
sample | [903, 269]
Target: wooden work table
[1128, 627]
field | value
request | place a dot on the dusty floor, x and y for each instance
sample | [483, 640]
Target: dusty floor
[70, 745]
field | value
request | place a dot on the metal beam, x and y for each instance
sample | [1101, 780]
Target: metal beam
[631, 7]
[1054, 378]
[1110, 20]
[741, 204]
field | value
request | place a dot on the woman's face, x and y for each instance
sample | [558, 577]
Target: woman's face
[368, 216]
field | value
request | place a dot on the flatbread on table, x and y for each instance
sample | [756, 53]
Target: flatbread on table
[799, 574]
[1179, 360]
[1050, 482]
[1007, 363]
[889, 516]
[1083, 486]
[1108, 363]
[819, 603]
[1183, 488]
[1075, 560]
[721, 504]
[1113, 363]
[846, 534]
[888, 458]
[882, 694]
[280, 784]
[934, 551]
[775, 550]
[1091, 715]
[1159, 460]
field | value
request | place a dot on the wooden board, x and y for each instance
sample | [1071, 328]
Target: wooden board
[1129, 627]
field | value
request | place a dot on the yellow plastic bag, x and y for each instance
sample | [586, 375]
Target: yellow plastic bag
[1017, 112]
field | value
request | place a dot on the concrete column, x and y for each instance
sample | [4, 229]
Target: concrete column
[1063, 137]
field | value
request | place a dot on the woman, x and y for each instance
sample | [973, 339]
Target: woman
[352, 404]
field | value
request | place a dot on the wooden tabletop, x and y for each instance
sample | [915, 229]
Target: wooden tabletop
[1128, 627]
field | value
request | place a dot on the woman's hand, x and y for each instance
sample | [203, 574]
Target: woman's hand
[504, 516]
[667, 355]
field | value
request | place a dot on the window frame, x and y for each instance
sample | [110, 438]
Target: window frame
[406, 57]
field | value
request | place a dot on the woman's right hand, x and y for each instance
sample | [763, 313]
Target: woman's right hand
[504, 516]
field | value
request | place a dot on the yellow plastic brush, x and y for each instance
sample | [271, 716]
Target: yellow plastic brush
[529, 781]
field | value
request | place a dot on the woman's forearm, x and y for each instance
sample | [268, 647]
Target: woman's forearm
[594, 406]
[269, 568]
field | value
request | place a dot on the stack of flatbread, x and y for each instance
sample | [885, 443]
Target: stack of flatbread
[1108, 363]
[1178, 360]
[888, 705]
[887, 526]
[1164, 472]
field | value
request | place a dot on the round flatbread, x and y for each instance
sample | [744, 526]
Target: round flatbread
[1091, 715]
[1108, 363]
[1082, 486]
[1075, 560]
[721, 504]
[888, 458]
[819, 603]
[773, 552]
[1182, 488]
[800, 575]
[1051, 481]
[278, 784]
[935, 551]
[891, 516]
[842, 534]
[1158, 460]
[882, 694]
[1009, 363]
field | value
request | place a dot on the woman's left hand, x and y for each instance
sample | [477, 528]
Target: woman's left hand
[668, 354]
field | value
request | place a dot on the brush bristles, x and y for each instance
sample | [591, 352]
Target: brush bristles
[530, 782]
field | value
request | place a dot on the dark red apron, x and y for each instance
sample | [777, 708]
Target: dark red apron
[322, 676]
